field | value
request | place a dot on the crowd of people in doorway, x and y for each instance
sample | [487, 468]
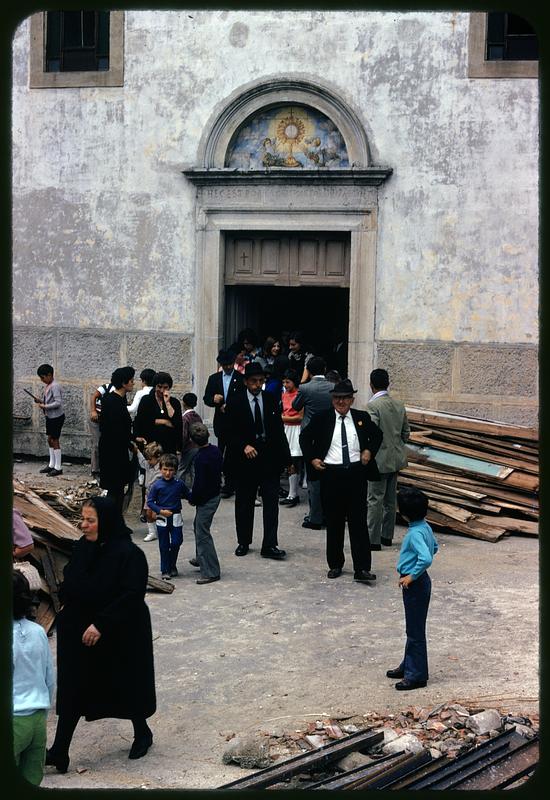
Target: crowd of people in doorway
[276, 410]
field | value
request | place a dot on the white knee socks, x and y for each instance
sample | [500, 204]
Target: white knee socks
[293, 484]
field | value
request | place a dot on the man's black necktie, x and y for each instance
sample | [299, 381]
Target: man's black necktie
[345, 450]
[258, 425]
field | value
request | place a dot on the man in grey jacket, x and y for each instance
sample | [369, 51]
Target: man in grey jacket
[390, 416]
[314, 396]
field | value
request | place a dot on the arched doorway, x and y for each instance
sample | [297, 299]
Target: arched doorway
[337, 200]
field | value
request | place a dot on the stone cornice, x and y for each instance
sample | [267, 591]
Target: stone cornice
[371, 176]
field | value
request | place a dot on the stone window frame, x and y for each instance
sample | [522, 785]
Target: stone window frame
[479, 67]
[40, 79]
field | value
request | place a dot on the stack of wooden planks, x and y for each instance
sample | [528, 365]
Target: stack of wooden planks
[53, 536]
[481, 477]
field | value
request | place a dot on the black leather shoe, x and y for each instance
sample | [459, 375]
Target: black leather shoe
[194, 562]
[241, 550]
[141, 746]
[273, 552]
[45, 470]
[290, 502]
[201, 581]
[405, 685]
[395, 673]
[364, 577]
[54, 473]
[334, 573]
[60, 762]
[312, 525]
[376, 547]
[385, 542]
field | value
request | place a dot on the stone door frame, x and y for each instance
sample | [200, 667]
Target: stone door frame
[214, 220]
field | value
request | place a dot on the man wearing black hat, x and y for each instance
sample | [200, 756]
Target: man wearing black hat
[257, 450]
[220, 388]
[340, 444]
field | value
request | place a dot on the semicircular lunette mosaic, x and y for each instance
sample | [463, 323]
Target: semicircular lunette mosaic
[288, 137]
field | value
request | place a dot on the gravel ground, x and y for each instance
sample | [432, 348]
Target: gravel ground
[274, 645]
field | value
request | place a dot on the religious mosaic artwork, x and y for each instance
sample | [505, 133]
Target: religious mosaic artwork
[288, 137]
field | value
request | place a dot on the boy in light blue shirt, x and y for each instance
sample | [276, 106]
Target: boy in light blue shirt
[417, 551]
[33, 684]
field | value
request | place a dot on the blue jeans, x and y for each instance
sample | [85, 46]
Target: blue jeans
[170, 537]
[416, 600]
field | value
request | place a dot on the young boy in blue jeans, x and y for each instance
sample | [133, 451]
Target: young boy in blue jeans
[417, 551]
[164, 499]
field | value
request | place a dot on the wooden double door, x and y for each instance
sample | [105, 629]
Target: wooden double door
[276, 258]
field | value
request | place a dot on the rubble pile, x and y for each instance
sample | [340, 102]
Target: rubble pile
[440, 747]
[448, 729]
[67, 500]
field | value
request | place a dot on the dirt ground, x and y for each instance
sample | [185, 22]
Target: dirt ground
[273, 645]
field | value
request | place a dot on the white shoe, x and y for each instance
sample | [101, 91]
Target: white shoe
[150, 537]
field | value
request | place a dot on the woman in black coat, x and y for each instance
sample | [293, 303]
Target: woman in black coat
[104, 640]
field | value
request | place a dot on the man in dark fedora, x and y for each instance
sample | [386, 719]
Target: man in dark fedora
[340, 444]
[257, 450]
[220, 388]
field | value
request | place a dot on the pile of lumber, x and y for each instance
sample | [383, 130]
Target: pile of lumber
[481, 477]
[53, 536]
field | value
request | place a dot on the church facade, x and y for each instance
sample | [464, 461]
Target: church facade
[371, 172]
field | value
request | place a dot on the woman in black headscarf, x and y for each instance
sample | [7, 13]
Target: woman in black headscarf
[104, 640]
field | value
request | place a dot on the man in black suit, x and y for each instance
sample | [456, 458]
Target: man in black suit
[257, 450]
[340, 444]
[220, 388]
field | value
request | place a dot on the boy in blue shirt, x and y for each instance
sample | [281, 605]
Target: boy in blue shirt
[164, 499]
[417, 551]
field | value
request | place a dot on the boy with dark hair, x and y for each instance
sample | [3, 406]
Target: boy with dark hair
[188, 448]
[33, 683]
[205, 496]
[52, 405]
[417, 551]
[164, 499]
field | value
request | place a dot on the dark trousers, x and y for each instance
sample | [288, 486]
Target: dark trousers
[344, 499]
[416, 599]
[247, 483]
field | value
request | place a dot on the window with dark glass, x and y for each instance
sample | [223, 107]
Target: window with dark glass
[77, 41]
[510, 38]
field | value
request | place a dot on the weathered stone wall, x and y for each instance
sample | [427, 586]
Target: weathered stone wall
[489, 381]
[82, 360]
[104, 229]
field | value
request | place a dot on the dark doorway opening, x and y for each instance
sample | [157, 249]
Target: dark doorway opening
[320, 312]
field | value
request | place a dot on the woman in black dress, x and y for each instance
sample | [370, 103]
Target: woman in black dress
[104, 640]
[159, 417]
